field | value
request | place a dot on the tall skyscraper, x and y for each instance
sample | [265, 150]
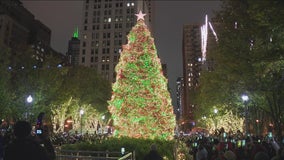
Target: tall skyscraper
[194, 61]
[74, 49]
[191, 68]
[106, 24]
[19, 30]
[179, 93]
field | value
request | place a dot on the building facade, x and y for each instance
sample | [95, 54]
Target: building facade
[74, 49]
[179, 93]
[191, 70]
[194, 61]
[105, 27]
[19, 31]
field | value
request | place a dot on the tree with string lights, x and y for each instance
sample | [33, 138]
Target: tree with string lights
[141, 104]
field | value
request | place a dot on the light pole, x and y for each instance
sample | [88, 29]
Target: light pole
[81, 121]
[257, 127]
[29, 101]
[245, 99]
[103, 124]
[215, 118]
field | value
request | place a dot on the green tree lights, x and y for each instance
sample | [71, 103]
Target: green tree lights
[140, 103]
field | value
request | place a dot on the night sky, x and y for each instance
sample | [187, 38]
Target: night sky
[63, 16]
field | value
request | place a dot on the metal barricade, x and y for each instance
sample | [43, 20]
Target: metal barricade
[93, 155]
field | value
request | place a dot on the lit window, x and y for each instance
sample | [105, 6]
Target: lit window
[128, 4]
[109, 19]
[132, 4]
[103, 59]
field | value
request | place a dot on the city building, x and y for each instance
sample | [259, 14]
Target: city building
[191, 70]
[194, 61]
[179, 93]
[15, 22]
[74, 49]
[19, 31]
[105, 27]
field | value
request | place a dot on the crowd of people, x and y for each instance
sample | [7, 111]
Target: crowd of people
[224, 146]
[22, 143]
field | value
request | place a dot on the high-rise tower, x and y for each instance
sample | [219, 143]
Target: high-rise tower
[74, 49]
[192, 60]
[106, 24]
[195, 40]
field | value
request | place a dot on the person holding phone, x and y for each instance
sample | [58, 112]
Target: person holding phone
[24, 146]
[43, 138]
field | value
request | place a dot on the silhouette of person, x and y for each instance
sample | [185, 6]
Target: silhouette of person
[1, 146]
[24, 146]
[153, 154]
[43, 139]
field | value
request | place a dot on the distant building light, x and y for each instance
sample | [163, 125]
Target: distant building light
[59, 66]
[10, 68]
[23, 67]
[35, 67]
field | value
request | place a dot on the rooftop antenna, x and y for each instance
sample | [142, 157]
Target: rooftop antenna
[76, 33]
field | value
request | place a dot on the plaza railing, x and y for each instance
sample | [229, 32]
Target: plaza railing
[93, 155]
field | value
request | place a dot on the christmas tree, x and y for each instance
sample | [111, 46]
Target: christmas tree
[141, 104]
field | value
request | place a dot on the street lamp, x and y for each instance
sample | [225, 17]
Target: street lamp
[103, 124]
[29, 100]
[257, 127]
[245, 98]
[215, 111]
[81, 123]
[215, 118]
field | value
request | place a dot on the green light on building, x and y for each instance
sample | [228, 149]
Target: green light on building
[76, 33]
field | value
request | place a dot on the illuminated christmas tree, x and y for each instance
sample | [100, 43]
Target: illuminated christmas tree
[141, 103]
